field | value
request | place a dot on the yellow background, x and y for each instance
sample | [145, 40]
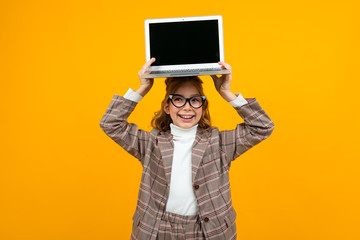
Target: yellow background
[61, 63]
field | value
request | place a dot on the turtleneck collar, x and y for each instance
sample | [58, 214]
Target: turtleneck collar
[179, 132]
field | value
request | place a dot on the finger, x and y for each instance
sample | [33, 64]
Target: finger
[224, 65]
[227, 66]
[214, 77]
[148, 63]
[146, 66]
[152, 60]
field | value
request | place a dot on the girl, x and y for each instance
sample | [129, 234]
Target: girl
[185, 190]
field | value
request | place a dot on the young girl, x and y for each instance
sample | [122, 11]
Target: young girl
[185, 190]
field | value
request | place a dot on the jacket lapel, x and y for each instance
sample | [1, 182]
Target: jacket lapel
[198, 150]
[166, 146]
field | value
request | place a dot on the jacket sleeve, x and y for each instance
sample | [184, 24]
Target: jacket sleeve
[257, 127]
[114, 123]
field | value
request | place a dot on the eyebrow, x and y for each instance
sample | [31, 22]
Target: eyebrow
[198, 94]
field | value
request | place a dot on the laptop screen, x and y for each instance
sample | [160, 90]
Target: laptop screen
[188, 42]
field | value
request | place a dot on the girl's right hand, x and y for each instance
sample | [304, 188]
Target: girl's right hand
[222, 84]
[145, 83]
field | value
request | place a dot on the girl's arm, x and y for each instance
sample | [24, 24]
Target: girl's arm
[222, 84]
[257, 125]
[114, 122]
[145, 83]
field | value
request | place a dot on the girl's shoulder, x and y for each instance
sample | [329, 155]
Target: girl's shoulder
[158, 133]
[155, 132]
[211, 131]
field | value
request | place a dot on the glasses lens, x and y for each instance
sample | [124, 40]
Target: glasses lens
[178, 101]
[196, 102]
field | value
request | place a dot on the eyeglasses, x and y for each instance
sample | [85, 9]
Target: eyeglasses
[180, 101]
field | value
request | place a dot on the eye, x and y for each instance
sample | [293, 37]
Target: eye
[196, 100]
[178, 99]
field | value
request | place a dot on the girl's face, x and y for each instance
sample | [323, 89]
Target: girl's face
[186, 116]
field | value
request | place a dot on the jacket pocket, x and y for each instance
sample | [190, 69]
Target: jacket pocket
[135, 227]
[230, 232]
[136, 219]
[230, 218]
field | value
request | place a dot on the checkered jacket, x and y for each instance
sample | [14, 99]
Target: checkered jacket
[212, 153]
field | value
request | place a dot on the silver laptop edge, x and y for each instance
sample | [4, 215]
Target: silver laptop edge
[192, 69]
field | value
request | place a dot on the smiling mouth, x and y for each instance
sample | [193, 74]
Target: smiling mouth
[186, 117]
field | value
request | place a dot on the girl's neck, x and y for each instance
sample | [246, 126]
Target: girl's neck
[183, 132]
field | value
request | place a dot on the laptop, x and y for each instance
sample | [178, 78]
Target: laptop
[186, 46]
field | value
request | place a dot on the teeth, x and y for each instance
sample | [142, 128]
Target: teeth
[187, 117]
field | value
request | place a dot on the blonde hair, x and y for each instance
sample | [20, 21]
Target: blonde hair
[162, 120]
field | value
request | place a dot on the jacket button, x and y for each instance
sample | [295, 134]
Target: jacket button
[206, 219]
[196, 186]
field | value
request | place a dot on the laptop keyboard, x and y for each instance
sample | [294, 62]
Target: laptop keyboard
[185, 70]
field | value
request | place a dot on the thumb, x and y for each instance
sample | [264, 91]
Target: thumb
[214, 77]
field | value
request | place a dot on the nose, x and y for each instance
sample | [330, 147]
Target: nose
[187, 105]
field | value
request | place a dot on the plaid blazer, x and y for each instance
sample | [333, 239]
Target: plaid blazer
[212, 153]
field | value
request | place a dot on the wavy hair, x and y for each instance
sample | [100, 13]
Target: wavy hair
[162, 120]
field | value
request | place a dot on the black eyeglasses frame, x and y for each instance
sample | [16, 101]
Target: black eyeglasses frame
[187, 100]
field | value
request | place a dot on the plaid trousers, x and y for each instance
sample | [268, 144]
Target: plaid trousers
[178, 227]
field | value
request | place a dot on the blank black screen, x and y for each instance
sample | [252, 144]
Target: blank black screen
[184, 42]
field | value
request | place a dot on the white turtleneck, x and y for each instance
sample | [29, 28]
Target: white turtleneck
[181, 198]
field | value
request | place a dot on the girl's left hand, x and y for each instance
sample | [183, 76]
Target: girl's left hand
[222, 84]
